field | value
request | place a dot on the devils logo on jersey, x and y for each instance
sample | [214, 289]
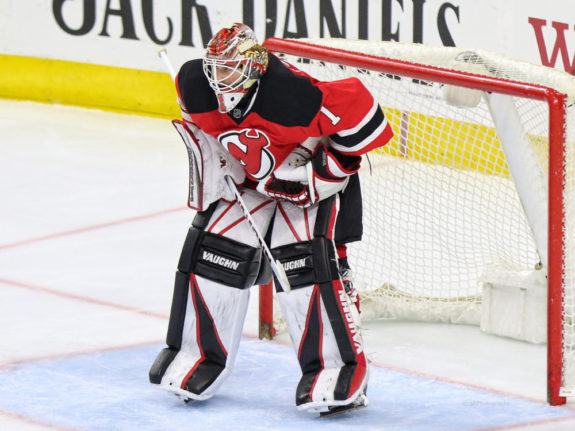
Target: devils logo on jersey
[249, 146]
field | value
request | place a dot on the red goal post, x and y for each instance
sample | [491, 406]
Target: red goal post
[388, 65]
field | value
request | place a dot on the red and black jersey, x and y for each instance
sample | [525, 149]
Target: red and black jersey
[284, 109]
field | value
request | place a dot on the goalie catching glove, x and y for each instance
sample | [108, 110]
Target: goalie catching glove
[324, 175]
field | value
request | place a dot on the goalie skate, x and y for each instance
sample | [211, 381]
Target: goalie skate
[359, 403]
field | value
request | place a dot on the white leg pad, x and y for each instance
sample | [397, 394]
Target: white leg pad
[328, 345]
[208, 351]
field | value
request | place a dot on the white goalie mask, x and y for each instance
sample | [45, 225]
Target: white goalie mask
[234, 61]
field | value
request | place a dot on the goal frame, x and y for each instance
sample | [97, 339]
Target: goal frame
[556, 102]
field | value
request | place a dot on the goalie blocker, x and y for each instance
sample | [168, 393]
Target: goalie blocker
[211, 296]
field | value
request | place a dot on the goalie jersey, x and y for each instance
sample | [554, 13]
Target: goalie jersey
[284, 109]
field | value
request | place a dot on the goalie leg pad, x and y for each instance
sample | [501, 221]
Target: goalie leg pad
[328, 344]
[208, 310]
[325, 335]
[200, 357]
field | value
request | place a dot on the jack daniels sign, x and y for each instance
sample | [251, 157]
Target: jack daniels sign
[286, 19]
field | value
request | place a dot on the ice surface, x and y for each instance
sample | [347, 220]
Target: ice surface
[108, 391]
[92, 221]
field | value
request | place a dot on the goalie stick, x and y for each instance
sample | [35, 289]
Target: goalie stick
[275, 264]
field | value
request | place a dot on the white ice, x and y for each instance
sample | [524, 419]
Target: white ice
[92, 221]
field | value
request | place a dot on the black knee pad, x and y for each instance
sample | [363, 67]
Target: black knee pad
[227, 261]
[308, 262]
[220, 259]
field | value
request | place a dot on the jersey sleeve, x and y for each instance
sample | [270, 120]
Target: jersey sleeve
[352, 118]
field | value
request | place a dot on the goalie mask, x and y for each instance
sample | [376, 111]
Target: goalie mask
[234, 61]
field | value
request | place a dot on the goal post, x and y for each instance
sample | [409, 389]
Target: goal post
[477, 186]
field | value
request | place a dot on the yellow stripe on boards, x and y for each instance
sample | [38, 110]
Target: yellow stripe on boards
[444, 141]
[88, 85]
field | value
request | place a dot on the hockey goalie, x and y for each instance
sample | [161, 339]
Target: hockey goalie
[293, 146]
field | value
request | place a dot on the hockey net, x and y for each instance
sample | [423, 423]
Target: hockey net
[478, 180]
